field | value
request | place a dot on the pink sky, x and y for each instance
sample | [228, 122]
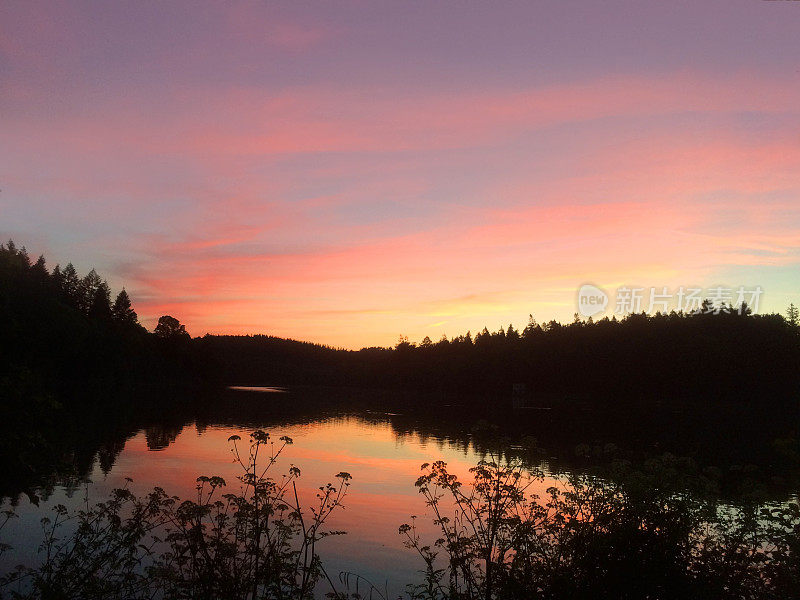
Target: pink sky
[346, 173]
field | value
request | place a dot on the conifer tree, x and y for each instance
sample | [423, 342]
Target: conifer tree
[23, 254]
[57, 277]
[530, 327]
[86, 290]
[100, 308]
[40, 264]
[792, 315]
[70, 285]
[511, 333]
[122, 311]
[39, 271]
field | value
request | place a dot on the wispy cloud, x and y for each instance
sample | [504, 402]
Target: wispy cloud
[306, 173]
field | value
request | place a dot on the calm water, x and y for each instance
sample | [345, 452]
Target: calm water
[384, 464]
[381, 448]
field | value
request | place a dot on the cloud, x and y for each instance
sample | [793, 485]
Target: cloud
[349, 214]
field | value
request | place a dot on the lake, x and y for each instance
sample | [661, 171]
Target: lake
[383, 461]
[381, 449]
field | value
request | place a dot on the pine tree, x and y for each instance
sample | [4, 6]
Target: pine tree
[100, 307]
[39, 271]
[40, 264]
[511, 333]
[57, 277]
[86, 290]
[122, 311]
[70, 285]
[792, 315]
[530, 328]
[23, 254]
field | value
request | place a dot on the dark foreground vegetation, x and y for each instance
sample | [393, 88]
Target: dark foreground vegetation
[255, 543]
[655, 532]
[649, 533]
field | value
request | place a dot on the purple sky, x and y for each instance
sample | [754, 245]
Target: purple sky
[349, 172]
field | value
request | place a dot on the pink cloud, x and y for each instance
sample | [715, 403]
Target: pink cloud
[261, 196]
[414, 274]
[313, 119]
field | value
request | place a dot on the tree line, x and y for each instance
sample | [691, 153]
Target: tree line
[67, 331]
[69, 354]
[61, 328]
[732, 355]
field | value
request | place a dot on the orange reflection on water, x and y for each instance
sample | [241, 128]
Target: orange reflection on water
[384, 465]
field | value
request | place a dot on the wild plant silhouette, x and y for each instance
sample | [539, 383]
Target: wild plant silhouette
[256, 541]
[651, 533]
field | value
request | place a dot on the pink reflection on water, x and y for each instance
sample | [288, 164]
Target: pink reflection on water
[384, 465]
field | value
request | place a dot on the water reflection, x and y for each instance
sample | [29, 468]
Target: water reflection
[255, 388]
[381, 448]
[69, 453]
[384, 464]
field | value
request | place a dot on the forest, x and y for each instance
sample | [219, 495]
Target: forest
[730, 356]
[62, 332]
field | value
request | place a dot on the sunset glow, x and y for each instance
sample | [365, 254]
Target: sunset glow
[349, 173]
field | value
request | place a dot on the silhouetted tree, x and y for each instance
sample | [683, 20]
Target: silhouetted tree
[511, 333]
[706, 308]
[403, 344]
[62, 353]
[170, 328]
[23, 254]
[122, 311]
[71, 285]
[39, 271]
[57, 277]
[62, 329]
[482, 337]
[792, 315]
[87, 289]
[100, 307]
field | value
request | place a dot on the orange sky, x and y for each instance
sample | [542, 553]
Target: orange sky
[349, 175]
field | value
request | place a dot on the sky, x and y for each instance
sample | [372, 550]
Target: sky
[349, 172]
